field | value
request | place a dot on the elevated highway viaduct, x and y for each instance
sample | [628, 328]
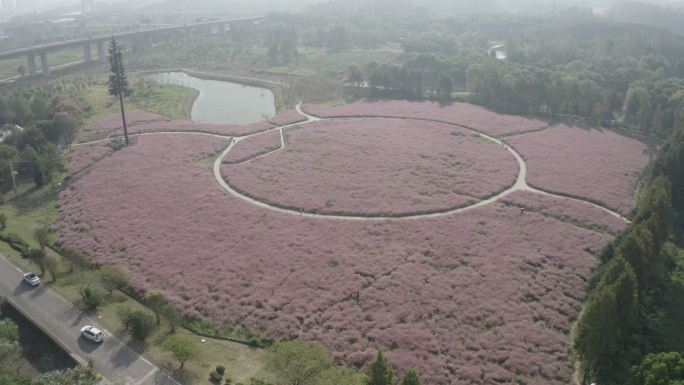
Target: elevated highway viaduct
[42, 51]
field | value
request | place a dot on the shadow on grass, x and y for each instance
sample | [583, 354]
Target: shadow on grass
[183, 376]
[35, 197]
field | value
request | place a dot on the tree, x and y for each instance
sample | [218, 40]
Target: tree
[9, 340]
[298, 362]
[380, 371]
[118, 83]
[155, 300]
[339, 375]
[445, 87]
[75, 376]
[113, 277]
[355, 75]
[92, 298]
[411, 378]
[42, 236]
[609, 314]
[182, 347]
[138, 323]
[173, 316]
[38, 256]
[52, 266]
[660, 369]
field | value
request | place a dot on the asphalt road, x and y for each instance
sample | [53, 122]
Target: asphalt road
[62, 321]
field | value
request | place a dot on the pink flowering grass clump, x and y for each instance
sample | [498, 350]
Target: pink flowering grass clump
[582, 214]
[594, 164]
[112, 126]
[185, 126]
[254, 146]
[377, 166]
[286, 118]
[81, 157]
[139, 122]
[483, 297]
[468, 115]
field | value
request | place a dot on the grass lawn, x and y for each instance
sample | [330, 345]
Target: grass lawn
[171, 101]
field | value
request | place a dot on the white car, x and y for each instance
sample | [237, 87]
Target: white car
[92, 333]
[32, 279]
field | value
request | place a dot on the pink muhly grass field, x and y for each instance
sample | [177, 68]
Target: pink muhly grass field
[144, 122]
[469, 115]
[567, 210]
[112, 126]
[599, 165]
[218, 129]
[484, 297]
[286, 118]
[377, 166]
[254, 146]
[81, 157]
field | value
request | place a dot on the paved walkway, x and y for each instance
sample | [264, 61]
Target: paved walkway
[62, 321]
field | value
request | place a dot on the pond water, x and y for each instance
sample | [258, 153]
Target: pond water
[39, 353]
[223, 102]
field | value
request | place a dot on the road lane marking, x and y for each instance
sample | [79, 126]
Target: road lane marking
[148, 375]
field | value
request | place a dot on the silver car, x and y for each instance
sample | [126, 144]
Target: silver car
[32, 279]
[92, 333]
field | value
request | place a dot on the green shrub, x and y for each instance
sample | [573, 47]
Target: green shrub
[221, 370]
[254, 341]
[138, 323]
[16, 243]
[216, 377]
[92, 298]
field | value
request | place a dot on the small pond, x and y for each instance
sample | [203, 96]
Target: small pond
[222, 102]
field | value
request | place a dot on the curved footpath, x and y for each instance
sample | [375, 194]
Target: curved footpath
[519, 185]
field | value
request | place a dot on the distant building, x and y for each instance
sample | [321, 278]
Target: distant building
[600, 11]
[8, 5]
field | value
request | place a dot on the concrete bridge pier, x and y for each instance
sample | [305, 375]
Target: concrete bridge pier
[101, 56]
[44, 62]
[87, 55]
[31, 59]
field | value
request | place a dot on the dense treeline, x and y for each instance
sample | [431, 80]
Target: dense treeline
[631, 328]
[577, 68]
[37, 126]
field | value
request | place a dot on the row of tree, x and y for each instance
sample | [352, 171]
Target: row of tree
[631, 327]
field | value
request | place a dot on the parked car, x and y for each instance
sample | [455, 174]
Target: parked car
[92, 333]
[32, 279]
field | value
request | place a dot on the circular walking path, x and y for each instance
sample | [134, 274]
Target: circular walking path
[519, 185]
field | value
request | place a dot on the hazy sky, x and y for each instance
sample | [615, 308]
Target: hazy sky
[26, 5]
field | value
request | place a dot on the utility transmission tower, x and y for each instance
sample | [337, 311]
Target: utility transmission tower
[118, 83]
